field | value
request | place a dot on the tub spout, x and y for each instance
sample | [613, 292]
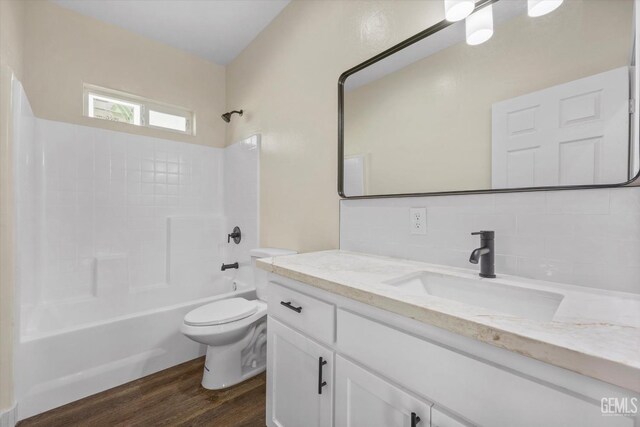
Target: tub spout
[228, 266]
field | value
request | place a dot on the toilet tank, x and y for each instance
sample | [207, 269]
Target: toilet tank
[259, 275]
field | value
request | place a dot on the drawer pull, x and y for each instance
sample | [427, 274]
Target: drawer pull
[288, 305]
[415, 419]
[321, 363]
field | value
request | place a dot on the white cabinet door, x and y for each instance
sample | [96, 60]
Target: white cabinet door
[366, 400]
[299, 379]
[569, 134]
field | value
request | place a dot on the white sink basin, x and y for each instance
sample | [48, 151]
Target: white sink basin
[503, 299]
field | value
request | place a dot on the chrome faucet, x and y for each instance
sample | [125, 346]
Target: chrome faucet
[485, 254]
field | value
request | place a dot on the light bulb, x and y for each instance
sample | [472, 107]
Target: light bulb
[457, 10]
[479, 26]
[542, 7]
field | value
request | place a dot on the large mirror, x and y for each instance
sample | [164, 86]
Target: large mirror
[545, 101]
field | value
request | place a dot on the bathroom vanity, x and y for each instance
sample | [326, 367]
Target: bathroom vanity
[363, 340]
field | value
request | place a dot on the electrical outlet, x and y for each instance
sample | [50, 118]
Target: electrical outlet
[418, 220]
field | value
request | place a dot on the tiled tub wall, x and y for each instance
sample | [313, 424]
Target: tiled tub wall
[105, 194]
[111, 223]
[583, 237]
[241, 199]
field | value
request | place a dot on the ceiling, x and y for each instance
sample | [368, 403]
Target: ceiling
[217, 30]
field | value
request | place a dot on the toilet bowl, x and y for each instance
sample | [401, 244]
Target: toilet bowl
[234, 331]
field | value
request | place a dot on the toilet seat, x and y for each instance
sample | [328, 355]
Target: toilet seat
[225, 328]
[221, 312]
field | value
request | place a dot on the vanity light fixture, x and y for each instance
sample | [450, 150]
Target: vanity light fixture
[537, 8]
[479, 26]
[457, 10]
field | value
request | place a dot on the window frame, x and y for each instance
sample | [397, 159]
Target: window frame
[146, 105]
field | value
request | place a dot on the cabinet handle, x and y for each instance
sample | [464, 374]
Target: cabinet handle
[415, 419]
[321, 363]
[288, 305]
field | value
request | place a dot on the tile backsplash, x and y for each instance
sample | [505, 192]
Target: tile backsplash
[582, 237]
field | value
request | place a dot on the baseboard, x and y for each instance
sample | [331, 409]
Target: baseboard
[9, 417]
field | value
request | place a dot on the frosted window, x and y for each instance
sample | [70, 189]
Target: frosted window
[168, 121]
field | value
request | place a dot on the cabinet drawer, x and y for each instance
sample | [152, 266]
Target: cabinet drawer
[482, 393]
[313, 317]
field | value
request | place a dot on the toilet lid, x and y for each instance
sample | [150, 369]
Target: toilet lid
[219, 312]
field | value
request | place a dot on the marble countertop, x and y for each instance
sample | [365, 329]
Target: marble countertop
[593, 332]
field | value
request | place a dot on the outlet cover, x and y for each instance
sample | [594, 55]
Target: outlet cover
[418, 220]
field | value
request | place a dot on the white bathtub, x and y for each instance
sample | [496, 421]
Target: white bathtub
[69, 363]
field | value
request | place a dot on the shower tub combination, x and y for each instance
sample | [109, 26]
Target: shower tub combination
[118, 236]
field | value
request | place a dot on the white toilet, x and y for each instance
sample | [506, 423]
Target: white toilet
[234, 330]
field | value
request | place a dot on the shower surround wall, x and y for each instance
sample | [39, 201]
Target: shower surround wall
[118, 237]
[241, 200]
[582, 237]
[112, 213]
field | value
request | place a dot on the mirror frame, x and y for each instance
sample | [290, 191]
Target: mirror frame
[424, 34]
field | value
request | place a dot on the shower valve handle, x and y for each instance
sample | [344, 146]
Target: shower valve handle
[236, 235]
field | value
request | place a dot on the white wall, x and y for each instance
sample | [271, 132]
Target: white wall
[26, 200]
[241, 199]
[286, 82]
[12, 15]
[583, 237]
[64, 49]
[103, 215]
[111, 223]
